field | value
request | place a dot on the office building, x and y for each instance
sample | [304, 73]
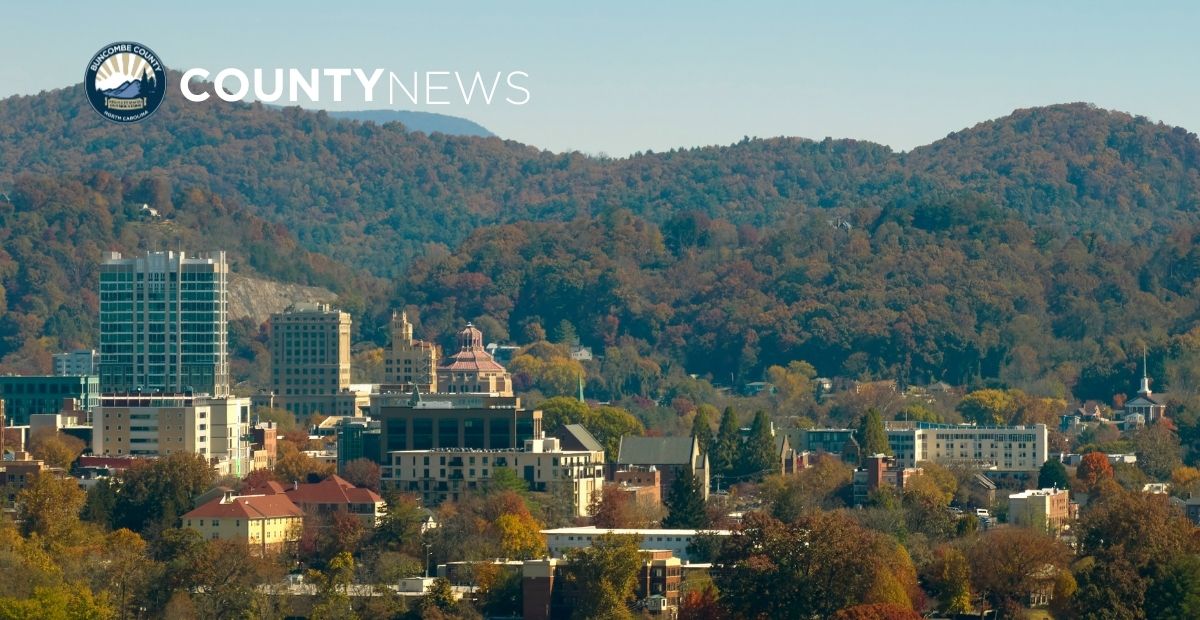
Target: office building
[429, 421]
[1002, 448]
[164, 324]
[446, 474]
[310, 358]
[411, 364]
[25, 396]
[161, 424]
[77, 363]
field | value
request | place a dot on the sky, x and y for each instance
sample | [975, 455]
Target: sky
[619, 77]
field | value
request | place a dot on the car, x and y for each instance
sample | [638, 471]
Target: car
[983, 513]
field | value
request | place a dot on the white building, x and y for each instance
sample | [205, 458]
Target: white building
[162, 424]
[445, 473]
[78, 362]
[1003, 448]
[560, 540]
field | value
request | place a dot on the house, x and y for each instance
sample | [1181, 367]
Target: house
[331, 495]
[581, 353]
[670, 455]
[269, 524]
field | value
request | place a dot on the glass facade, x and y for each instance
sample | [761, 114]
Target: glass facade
[164, 323]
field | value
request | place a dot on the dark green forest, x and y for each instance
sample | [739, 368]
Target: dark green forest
[1040, 250]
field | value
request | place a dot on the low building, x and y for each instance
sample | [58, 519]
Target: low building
[639, 485]
[331, 495]
[563, 539]
[77, 363]
[162, 424]
[431, 421]
[1048, 509]
[670, 455]
[17, 473]
[25, 396]
[264, 438]
[446, 474]
[268, 524]
[880, 472]
[547, 594]
[837, 441]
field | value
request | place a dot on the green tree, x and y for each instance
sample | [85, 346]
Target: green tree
[439, 597]
[605, 575]
[871, 434]
[758, 457]
[1158, 451]
[724, 456]
[685, 502]
[1053, 475]
[1174, 592]
[561, 411]
[702, 426]
[949, 577]
[333, 597]
[153, 494]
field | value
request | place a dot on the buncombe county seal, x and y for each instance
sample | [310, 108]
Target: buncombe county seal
[125, 82]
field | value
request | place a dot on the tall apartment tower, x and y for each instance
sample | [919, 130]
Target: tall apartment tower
[310, 358]
[164, 323]
[410, 363]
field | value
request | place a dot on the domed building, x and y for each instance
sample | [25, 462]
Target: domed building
[473, 370]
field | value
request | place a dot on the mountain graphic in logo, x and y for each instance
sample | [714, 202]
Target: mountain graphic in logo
[125, 82]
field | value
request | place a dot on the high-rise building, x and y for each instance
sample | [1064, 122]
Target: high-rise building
[25, 396]
[310, 358]
[410, 364]
[163, 324]
[472, 370]
[77, 363]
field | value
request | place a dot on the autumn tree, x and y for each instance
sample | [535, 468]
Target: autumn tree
[296, 466]
[332, 598]
[876, 611]
[605, 575]
[362, 473]
[1093, 468]
[1158, 451]
[815, 488]
[55, 448]
[49, 506]
[949, 579]
[1006, 564]
[988, 406]
[815, 566]
[153, 494]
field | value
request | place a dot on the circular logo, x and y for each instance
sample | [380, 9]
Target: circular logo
[125, 82]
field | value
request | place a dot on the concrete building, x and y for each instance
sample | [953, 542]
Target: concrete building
[410, 364]
[670, 455]
[269, 524]
[547, 593]
[1047, 509]
[76, 363]
[441, 474]
[837, 441]
[476, 421]
[472, 370]
[161, 424]
[561, 540]
[310, 358]
[19, 472]
[640, 485]
[880, 472]
[1000, 448]
[24, 396]
[164, 321]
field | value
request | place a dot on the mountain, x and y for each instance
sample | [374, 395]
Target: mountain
[1034, 249]
[128, 90]
[427, 122]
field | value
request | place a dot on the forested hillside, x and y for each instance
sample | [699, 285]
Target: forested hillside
[1039, 250]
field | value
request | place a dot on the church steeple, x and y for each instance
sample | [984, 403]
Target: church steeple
[1145, 389]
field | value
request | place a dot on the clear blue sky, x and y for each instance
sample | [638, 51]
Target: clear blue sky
[618, 77]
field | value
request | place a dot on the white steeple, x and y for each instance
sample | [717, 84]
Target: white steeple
[1145, 389]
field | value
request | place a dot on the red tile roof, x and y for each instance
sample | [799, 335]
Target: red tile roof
[247, 507]
[332, 490]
